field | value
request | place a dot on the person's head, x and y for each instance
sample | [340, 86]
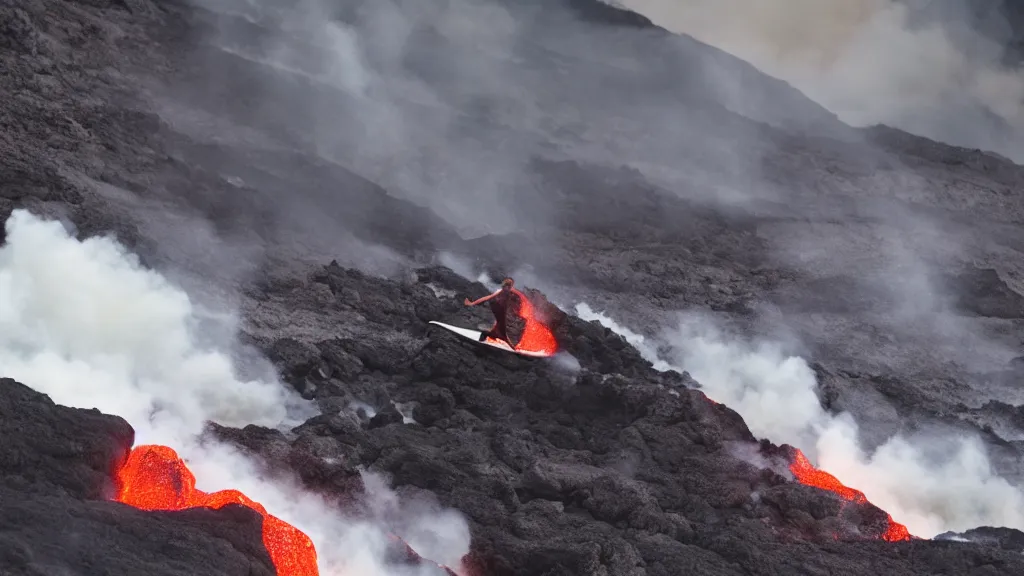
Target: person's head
[507, 284]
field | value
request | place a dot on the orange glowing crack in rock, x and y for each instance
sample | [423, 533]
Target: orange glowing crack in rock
[808, 475]
[156, 478]
[536, 336]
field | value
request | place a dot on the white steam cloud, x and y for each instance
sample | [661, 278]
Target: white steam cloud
[83, 322]
[638, 341]
[931, 485]
[870, 61]
[465, 268]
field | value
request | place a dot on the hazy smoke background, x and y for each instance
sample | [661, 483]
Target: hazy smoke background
[930, 484]
[83, 322]
[412, 96]
[932, 68]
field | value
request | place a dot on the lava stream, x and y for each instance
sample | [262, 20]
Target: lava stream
[156, 478]
[537, 337]
[808, 475]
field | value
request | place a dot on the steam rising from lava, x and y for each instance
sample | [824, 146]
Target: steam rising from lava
[83, 322]
[807, 474]
[776, 393]
[155, 478]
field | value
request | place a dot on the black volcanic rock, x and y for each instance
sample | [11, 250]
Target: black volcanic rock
[56, 473]
[55, 449]
[605, 467]
[984, 293]
[1005, 538]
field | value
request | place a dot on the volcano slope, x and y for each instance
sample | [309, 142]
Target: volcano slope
[218, 140]
[173, 127]
[601, 466]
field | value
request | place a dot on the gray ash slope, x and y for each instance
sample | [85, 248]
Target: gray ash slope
[712, 186]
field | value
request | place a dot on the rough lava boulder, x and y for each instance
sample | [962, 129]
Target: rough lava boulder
[57, 468]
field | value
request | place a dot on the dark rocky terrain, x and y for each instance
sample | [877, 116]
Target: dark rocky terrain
[56, 467]
[654, 175]
[605, 468]
[608, 468]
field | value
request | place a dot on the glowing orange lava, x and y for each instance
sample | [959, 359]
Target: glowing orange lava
[156, 478]
[808, 475]
[536, 336]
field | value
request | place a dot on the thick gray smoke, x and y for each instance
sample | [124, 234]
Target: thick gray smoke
[448, 104]
[415, 98]
[83, 322]
[924, 69]
[931, 485]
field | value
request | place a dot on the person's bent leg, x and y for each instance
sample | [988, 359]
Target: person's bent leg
[489, 334]
[501, 333]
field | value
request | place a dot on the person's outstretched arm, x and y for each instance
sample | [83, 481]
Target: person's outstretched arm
[481, 300]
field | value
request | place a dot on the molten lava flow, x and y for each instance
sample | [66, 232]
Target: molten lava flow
[896, 532]
[808, 475]
[536, 336]
[155, 478]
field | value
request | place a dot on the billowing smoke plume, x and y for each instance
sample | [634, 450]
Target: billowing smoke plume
[935, 70]
[368, 87]
[930, 485]
[638, 341]
[83, 322]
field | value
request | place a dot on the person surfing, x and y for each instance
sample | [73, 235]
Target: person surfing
[499, 300]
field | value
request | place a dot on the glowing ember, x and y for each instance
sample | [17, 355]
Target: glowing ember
[536, 336]
[896, 532]
[808, 475]
[155, 478]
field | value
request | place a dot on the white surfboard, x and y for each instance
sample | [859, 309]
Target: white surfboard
[474, 335]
